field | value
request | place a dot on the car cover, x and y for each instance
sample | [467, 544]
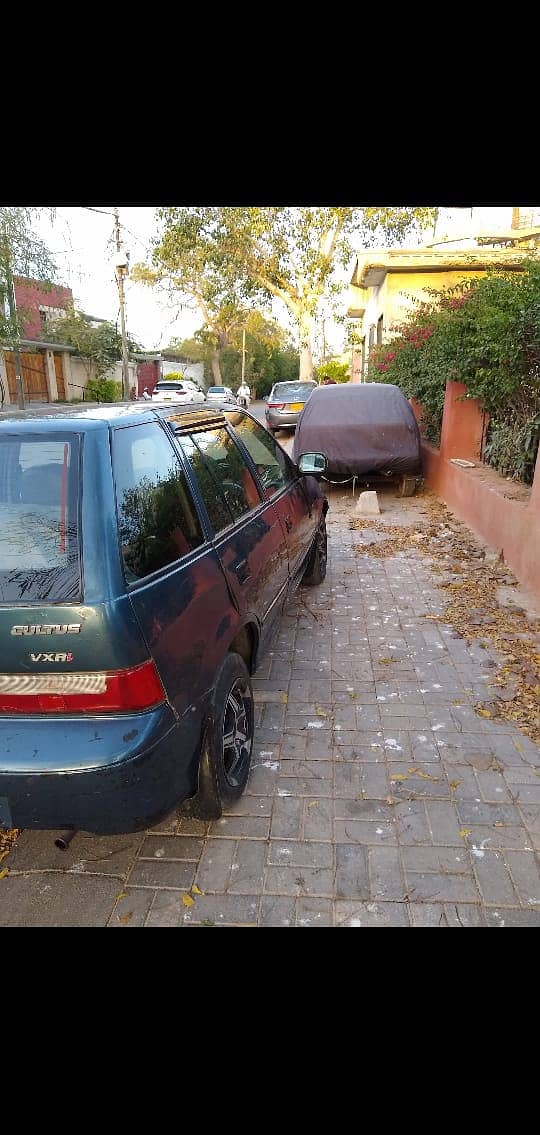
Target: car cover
[361, 428]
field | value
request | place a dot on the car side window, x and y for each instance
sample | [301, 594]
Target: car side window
[226, 484]
[273, 466]
[157, 521]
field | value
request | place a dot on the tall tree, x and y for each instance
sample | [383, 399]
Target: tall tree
[22, 253]
[269, 355]
[282, 253]
[185, 265]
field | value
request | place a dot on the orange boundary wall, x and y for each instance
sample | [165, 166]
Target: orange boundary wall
[479, 496]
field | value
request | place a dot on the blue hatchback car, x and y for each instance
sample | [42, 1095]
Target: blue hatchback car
[145, 553]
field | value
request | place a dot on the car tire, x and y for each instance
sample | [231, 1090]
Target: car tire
[316, 567]
[227, 742]
[408, 486]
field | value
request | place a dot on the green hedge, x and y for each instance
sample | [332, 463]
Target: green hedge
[484, 333]
[103, 390]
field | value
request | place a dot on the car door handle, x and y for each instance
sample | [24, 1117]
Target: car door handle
[242, 571]
[288, 523]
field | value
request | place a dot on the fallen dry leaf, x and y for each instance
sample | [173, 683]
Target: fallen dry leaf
[4, 872]
[464, 832]
[399, 776]
[195, 890]
[187, 900]
[313, 804]
[125, 918]
[471, 605]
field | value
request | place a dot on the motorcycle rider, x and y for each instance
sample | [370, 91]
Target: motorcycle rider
[243, 395]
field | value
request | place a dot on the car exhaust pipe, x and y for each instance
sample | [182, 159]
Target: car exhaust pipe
[63, 841]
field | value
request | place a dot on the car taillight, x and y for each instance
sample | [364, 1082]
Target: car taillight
[276, 405]
[110, 691]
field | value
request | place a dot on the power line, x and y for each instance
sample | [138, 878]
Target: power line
[105, 212]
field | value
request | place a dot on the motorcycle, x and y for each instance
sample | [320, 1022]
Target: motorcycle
[243, 401]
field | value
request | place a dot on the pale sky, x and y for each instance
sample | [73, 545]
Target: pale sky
[82, 245]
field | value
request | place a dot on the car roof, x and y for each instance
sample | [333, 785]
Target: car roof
[79, 417]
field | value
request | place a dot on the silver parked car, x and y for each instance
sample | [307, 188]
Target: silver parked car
[220, 395]
[286, 402]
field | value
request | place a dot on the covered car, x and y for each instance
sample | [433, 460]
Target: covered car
[366, 430]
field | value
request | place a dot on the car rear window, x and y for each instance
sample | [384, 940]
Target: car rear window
[39, 519]
[293, 391]
[216, 389]
[157, 520]
[169, 386]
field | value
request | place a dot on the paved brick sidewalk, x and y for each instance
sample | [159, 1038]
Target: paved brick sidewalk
[377, 796]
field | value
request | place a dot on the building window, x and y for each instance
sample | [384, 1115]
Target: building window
[48, 314]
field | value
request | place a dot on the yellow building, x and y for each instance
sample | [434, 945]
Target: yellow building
[385, 284]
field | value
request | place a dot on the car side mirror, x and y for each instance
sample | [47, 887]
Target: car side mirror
[312, 464]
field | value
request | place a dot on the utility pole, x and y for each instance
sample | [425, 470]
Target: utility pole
[121, 268]
[243, 354]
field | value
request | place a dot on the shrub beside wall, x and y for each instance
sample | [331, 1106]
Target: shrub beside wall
[484, 333]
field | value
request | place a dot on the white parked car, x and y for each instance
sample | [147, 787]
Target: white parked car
[184, 392]
[220, 394]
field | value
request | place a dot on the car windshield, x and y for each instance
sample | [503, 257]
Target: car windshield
[293, 391]
[39, 527]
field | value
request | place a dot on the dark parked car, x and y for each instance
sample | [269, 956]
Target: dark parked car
[365, 430]
[286, 402]
[144, 554]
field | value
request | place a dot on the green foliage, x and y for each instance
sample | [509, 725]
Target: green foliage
[21, 254]
[103, 390]
[484, 333]
[512, 446]
[230, 257]
[269, 357]
[172, 376]
[340, 372]
[100, 347]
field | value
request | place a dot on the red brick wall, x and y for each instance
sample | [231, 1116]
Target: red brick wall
[463, 424]
[30, 295]
[479, 496]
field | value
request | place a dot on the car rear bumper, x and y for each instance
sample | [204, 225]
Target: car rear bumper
[105, 775]
[282, 418]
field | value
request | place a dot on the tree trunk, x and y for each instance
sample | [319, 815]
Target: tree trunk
[305, 327]
[216, 369]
